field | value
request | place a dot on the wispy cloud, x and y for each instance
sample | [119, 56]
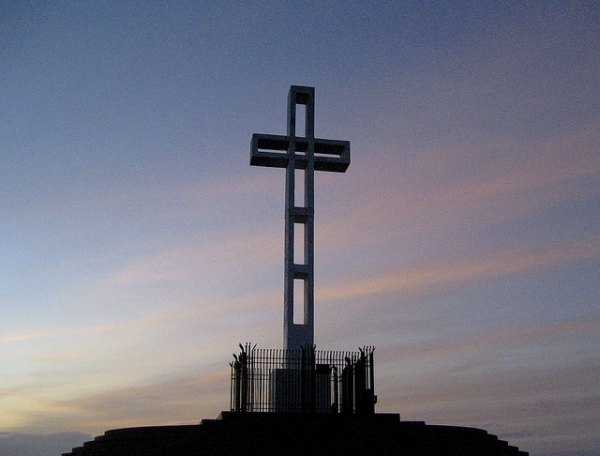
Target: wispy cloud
[458, 345]
[211, 261]
[171, 400]
[461, 270]
[456, 187]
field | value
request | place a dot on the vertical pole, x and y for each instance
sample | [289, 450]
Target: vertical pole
[288, 324]
[301, 334]
[309, 227]
[290, 188]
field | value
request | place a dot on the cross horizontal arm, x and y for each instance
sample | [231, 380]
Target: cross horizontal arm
[329, 155]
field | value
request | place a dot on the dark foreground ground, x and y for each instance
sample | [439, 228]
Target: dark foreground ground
[298, 434]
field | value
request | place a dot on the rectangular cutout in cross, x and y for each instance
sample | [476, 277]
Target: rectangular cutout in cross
[299, 301]
[331, 149]
[301, 120]
[299, 257]
[299, 193]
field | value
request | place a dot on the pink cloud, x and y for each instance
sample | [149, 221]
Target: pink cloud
[460, 270]
[459, 344]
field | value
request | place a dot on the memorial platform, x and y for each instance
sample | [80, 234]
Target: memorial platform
[294, 434]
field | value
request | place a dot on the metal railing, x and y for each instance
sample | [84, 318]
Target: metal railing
[302, 381]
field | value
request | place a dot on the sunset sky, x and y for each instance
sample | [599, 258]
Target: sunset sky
[138, 247]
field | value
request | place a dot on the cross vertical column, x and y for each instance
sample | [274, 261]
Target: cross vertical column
[306, 154]
[299, 213]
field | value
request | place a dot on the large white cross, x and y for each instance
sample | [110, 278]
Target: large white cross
[299, 154]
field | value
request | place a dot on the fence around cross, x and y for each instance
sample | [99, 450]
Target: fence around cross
[302, 381]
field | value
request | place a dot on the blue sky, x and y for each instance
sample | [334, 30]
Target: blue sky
[139, 247]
